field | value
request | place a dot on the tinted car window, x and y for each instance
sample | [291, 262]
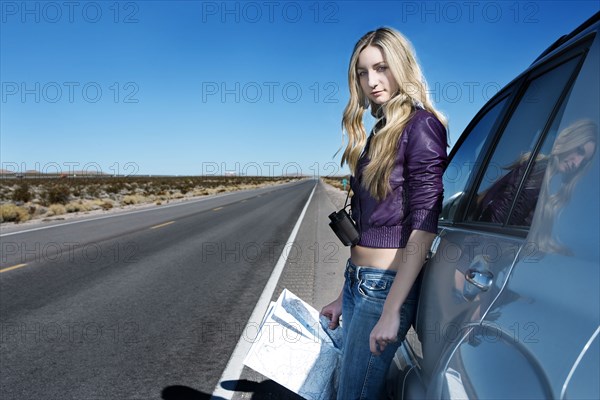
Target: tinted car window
[510, 161]
[522, 209]
[463, 162]
[567, 214]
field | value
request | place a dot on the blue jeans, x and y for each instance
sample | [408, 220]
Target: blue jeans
[363, 374]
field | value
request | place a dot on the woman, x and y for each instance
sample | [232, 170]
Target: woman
[397, 184]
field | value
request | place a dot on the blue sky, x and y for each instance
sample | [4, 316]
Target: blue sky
[201, 88]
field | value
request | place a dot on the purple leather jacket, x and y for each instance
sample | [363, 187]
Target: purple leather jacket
[415, 200]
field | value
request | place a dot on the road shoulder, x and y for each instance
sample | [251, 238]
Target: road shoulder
[314, 272]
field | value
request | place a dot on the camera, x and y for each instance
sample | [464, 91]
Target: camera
[344, 228]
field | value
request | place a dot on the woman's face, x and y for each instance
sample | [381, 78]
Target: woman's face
[375, 77]
[570, 161]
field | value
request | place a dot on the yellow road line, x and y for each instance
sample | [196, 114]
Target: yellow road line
[11, 268]
[217, 209]
[161, 225]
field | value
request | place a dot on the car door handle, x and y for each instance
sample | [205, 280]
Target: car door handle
[481, 280]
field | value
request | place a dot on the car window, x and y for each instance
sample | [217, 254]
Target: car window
[464, 160]
[522, 211]
[510, 161]
[567, 214]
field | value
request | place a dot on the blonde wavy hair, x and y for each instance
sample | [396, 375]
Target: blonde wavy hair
[400, 57]
[550, 204]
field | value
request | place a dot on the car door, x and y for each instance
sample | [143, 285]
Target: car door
[517, 318]
[540, 337]
[446, 295]
[442, 305]
[476, 247]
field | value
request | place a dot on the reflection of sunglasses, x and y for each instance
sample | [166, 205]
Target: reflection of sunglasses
[579, 150]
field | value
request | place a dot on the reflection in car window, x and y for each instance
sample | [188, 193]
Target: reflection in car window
[571, 155]
[566, 216]
[507, 168]
[463, 162]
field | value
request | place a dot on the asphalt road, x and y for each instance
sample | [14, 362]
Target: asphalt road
[139, 305]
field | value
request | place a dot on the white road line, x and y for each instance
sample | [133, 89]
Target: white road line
[234, 367]
[110, 216]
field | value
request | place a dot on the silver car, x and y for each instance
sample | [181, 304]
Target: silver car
[510, 305]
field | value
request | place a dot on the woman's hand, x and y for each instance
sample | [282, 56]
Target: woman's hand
[386, 329]
[384, 332]
[333, 311]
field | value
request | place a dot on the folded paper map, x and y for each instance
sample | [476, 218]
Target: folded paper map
[295, 348]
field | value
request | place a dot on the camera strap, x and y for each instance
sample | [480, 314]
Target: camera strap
[347, 196]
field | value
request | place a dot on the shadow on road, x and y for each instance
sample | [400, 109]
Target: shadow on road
[264, 390]
[178, 392]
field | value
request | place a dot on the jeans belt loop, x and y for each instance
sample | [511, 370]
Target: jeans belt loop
[352, 271]
[355, 271]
